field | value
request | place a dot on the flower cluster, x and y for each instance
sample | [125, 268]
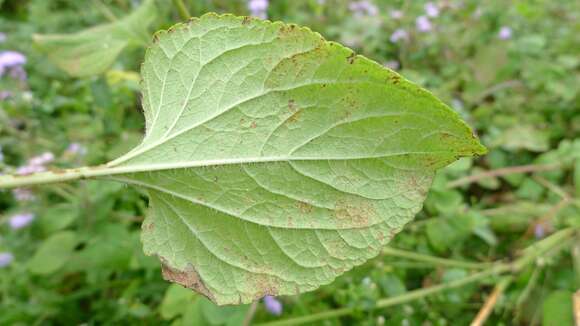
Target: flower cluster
[11, 63]
[5, 259]
[505, 33]
[423, 23]
[396, 14]
[22, 220]
[258, 8]
[75, 149]
[363, 8]
[399, 35]
[273, 305]
[23, 194]
[36, 164]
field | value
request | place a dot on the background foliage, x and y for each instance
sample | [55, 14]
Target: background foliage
[71, 253]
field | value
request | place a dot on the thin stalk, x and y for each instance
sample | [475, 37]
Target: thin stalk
[250, 314]
[433, 260]
[576, 299]
[182, 9]
[490, 302]
[55, 176]
[503, 172]
[531, 254]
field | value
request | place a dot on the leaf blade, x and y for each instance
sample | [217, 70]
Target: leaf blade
[276, 160]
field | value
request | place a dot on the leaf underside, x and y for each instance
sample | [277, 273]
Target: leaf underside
[275, 160]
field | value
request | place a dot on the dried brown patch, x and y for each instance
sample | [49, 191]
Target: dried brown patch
[263, 285]
[354, 212]
[188, 278]
[253, 125]
[295, 117]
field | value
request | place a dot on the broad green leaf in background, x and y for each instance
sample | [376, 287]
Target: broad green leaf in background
[557, 309]
[93, 51]
[53, 253]
[275, 160]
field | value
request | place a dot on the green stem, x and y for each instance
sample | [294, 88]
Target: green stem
[433, 260]
[530, 255]
[182, 9]
[55, 176]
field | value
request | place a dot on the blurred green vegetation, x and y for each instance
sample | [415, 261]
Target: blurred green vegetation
[511, 69]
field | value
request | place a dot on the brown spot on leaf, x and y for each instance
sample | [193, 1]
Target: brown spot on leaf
[395, 79]
[253, 125]
[351, 58]
[246, 20]
[292, 105]
[305, 208]
[188, 278]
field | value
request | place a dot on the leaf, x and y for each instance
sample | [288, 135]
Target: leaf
[175, 301]
[93, 51]
[275, 160]
[53, 253]
[557, 308]
[58, 217]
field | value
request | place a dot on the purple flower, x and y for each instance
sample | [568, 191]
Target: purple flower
[20, 221]
[10, 59]
[42, 159]
[1, 155]
[18, 73]
[539, 231]
[431, 9]
[258, 8]
[5, 259]
[396, 14]
[76, 149]
[505, 33]
[4, 95]
[363, 8]
[29, 169]
[423, 24]
[36, 164]
[392, 64]
[23, 194]
[273, 305]
[398, 35]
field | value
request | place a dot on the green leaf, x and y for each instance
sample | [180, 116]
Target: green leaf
[53, 253]
[275, 160]
[176, 301]
[93, 51]
[557, 308]
[58, 217]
